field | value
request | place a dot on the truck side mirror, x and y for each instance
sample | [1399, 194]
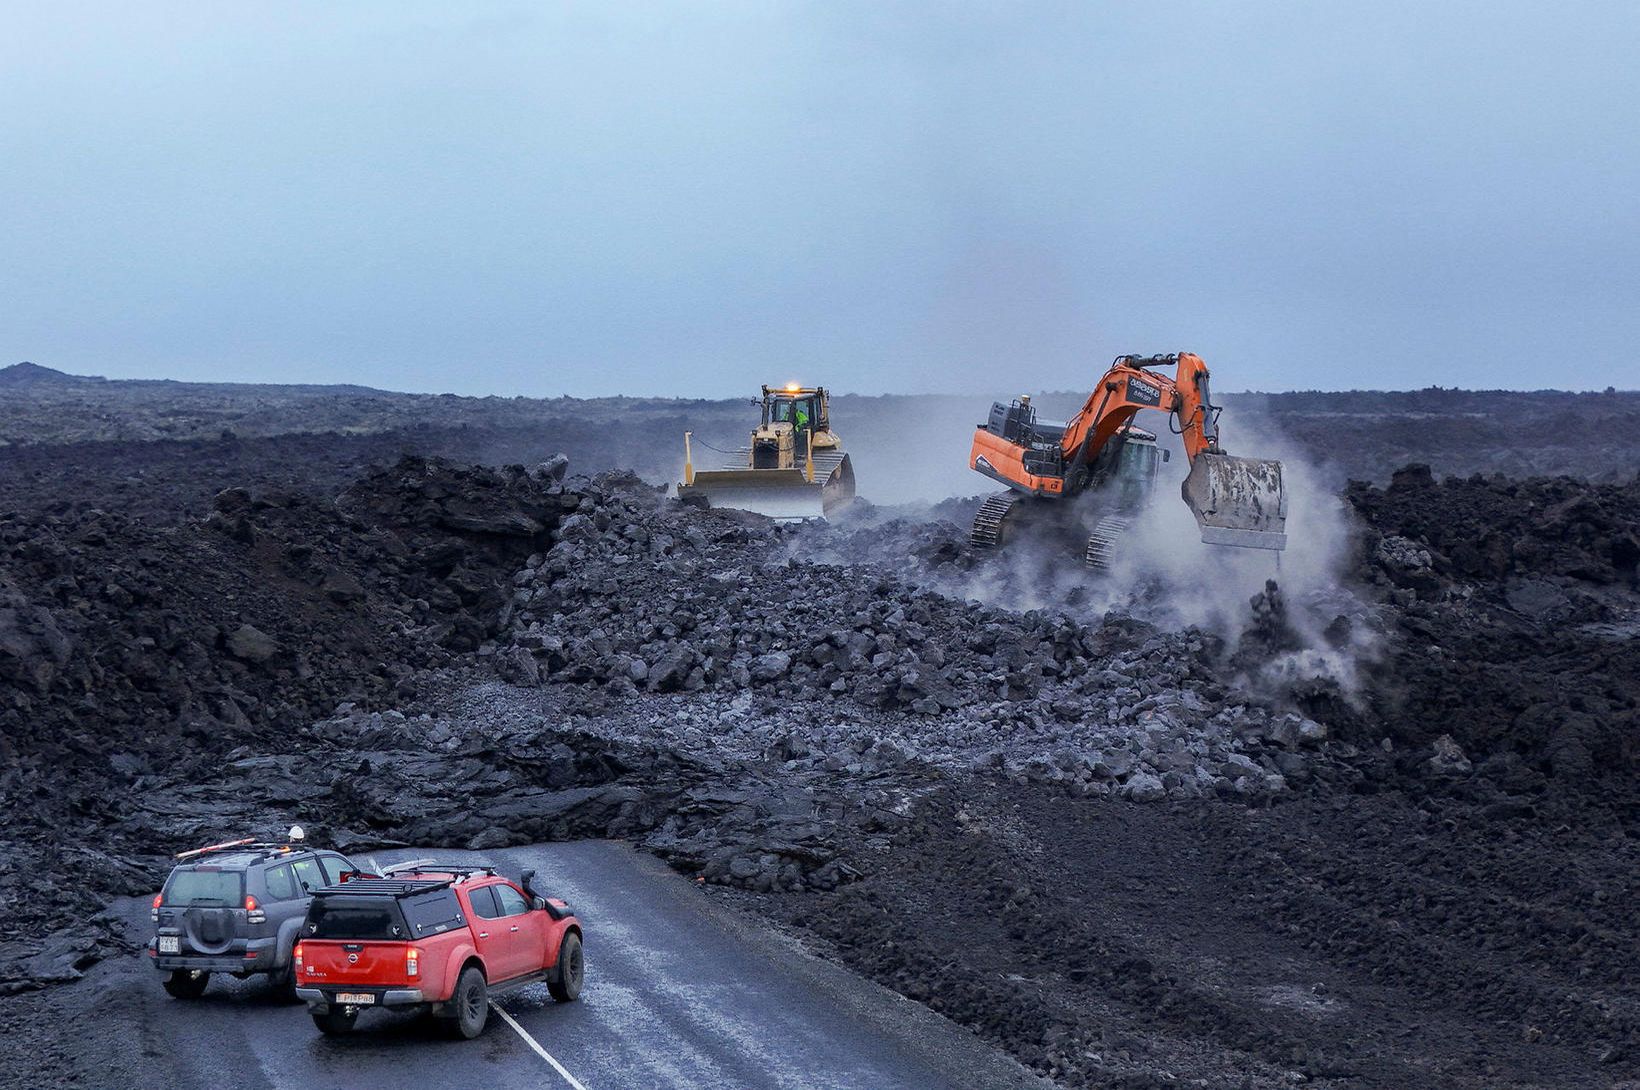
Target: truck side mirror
[538, 903]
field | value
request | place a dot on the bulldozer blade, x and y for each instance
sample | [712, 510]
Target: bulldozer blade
[785, 495]
[1238, 501]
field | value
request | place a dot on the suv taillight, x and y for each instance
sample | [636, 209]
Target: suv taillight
[296, 954]
[253, 911]
[153, 912]
[412, 962]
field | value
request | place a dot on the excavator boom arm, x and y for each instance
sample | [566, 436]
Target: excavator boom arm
[1127, 388]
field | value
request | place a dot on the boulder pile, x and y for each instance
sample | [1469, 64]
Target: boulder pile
[462, 655]
[834, 663]
[1513, 613]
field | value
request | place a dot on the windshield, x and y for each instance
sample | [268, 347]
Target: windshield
[209, 888]
[1138, 461]
[354, 918]
[789, 411]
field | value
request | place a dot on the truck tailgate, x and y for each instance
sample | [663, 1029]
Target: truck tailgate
[339, 963]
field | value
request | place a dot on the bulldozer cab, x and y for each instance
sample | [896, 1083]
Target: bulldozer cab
[800, 408]
[803, 409]
[797, 411]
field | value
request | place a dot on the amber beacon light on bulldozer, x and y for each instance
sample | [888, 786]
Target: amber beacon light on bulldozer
[794, 468]
[1100, 454]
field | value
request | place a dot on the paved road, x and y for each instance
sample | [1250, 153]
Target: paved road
[681, 992]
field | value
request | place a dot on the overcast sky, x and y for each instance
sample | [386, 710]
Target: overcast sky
[692, 199]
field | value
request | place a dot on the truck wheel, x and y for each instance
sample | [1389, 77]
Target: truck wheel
[572, 970]
[470, 1004]
[187, 983]
[333, 1022]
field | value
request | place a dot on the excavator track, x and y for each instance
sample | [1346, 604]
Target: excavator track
[989, 522]
[1101, 552]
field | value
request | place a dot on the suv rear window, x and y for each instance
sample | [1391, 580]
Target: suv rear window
[354, 918]
[209, 888]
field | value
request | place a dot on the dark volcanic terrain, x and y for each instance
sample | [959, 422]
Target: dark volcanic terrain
[1369, 822]
[165, 448]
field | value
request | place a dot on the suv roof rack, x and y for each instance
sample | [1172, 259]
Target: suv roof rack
[248, 844]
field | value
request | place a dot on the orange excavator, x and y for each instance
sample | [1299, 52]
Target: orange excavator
[1100, 454]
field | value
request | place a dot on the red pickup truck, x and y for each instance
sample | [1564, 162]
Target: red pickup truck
[438, 937]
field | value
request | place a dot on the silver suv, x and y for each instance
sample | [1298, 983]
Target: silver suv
[236, 908]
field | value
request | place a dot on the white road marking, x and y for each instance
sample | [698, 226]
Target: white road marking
[533, 1043]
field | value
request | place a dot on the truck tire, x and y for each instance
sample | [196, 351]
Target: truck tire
[572, 970]
[469, 1005]
[187, 983]
[334, 1022]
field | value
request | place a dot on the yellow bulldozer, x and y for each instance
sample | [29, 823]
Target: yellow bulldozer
[795, 467]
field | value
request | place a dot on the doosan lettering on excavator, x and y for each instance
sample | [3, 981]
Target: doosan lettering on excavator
[1100, 454]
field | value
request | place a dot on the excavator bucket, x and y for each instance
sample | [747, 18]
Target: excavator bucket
[1238, 501]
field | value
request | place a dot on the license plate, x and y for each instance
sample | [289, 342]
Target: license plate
[169, 944]
[355, 999]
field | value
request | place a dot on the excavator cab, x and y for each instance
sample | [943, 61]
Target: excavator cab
[1124, 474]
[1138, 462]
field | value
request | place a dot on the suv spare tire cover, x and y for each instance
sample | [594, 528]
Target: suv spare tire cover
[210, 930]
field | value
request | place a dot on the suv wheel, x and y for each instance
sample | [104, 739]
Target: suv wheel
[187, 983]
[572, 970]
[338, 1020]
[282, 982]
[470, 1005]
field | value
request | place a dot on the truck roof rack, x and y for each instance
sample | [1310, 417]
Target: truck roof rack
[384, 887]
[432, 866]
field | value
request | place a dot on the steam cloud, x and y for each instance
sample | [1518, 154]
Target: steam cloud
[1165, 575]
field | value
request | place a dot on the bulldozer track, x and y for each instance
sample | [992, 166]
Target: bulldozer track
[1101, 551]
[987, 532]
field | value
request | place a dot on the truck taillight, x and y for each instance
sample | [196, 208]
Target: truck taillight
[412, 962]
[296, 954]
[253, 911]
[153, 912]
